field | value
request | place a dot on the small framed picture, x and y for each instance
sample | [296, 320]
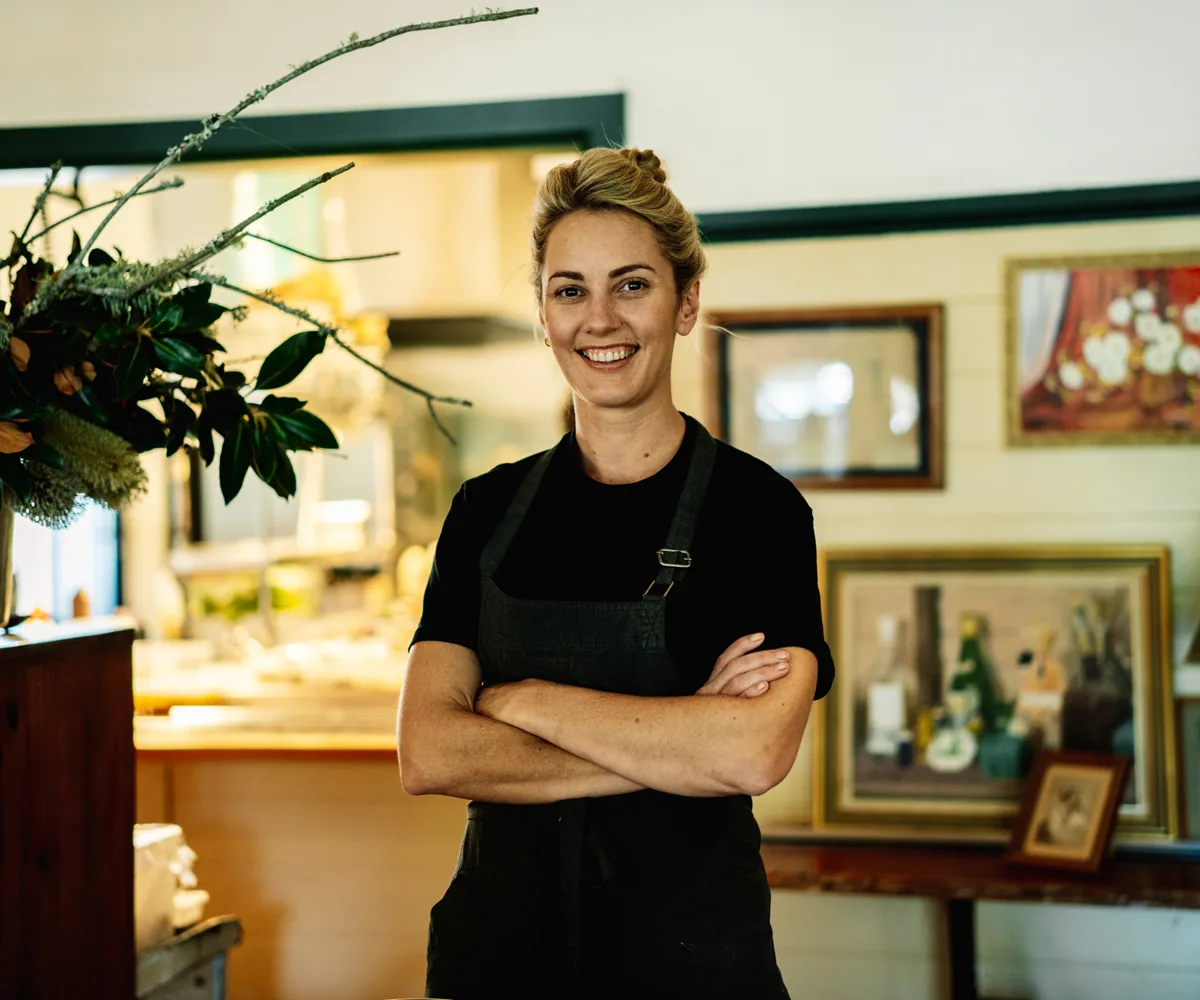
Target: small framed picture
[833, 398]
[1104, 350]
[1068, 811]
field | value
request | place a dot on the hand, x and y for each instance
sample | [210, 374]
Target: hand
[742, 671]
[492, 700]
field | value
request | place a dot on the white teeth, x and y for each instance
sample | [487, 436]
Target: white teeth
[608, 356]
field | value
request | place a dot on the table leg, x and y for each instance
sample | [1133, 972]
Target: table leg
[960, 941]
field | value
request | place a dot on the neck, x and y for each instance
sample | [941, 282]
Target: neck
[625, 446]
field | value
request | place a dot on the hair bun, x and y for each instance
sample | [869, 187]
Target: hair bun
[647, 163]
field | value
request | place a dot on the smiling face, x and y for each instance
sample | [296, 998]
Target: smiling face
[611, 310]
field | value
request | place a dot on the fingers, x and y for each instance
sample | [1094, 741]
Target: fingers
[737, 648]
[751, 661]
[754, 680]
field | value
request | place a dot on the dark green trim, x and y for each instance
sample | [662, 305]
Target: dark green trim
[581, 121]
[1038, 208]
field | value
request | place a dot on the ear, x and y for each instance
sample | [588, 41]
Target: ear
[689, 309]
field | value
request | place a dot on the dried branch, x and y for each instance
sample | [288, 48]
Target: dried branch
[192, 142]
[180, 265]
[41, 200]
[323, 260]
[164, 186]
[333, 334]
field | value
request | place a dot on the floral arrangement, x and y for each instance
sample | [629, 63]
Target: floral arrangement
[1136, 339]
[104, 358]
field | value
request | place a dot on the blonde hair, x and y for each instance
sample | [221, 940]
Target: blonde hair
[620, 180]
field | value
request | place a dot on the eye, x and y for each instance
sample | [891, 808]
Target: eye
[635, 284]
[568, 292]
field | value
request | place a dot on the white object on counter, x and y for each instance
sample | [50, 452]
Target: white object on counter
[189, 907]
[156, 847]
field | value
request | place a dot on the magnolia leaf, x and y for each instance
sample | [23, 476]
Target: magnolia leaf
[109, 333]
[305, 430]
[235, 459]
[98, 258]
[284, 482]
[144, 431]
[13, 439]
[76, 246]
[166, 319]
[205, 345]
[183, 421]
[265, 455]
[133, 364]
[204, 437]
[290, 358]
[281, 404]
[42, 452]
[225, 407]
[179, 357]
[15, 478]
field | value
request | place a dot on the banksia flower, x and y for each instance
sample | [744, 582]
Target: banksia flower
[109, 468]
[54, 498]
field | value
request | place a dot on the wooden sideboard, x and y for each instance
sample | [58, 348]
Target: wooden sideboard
[958, 876]
[66, 815]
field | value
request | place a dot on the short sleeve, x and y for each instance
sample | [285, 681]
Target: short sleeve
[782, 589]
[450, 610]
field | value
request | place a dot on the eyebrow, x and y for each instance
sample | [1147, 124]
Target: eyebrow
[615, 273]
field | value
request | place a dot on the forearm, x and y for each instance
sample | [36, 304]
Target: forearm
[469, 756]
[698, 746]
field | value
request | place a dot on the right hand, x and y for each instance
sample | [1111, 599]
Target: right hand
[744, 671]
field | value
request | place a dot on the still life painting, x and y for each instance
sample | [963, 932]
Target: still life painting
[1104, 350]
[956, 666]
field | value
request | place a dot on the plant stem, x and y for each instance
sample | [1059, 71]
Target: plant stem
[164, 186]
[210, 125]
[41, 199]
[323, 260]
[172, 268]
[333, 334]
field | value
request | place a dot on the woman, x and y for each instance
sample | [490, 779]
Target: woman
[598, 592]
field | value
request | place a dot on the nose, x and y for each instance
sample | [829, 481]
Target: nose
[602, 316]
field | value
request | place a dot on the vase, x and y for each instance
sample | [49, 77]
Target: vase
[6, 560]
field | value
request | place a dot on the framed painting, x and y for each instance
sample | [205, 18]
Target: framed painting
[1104, 350]
[1189, 764]
[833, 398]
[955, 666]
[1068, 811]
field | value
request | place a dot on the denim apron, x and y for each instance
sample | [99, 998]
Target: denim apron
[645, 894]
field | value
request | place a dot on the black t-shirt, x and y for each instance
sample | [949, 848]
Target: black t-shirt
[753, 554]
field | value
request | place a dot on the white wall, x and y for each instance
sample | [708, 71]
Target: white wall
[764, 103]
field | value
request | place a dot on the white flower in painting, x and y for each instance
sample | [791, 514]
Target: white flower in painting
[1113, 371]
[1168, 337]
[1191, 317]
[1159, 358]
[1108, 356]
[1120, 312]
[1146, 325]
[1189, 359]
[1070, 375]
[1143, 300]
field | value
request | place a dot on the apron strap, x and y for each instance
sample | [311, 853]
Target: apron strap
[674, 557]
[497, 546]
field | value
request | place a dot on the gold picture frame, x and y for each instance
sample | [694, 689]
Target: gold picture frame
[1074, 642]
[1103, 349]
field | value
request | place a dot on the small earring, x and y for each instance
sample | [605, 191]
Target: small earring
[546, 341]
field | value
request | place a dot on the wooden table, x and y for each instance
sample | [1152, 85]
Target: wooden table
[958, 876]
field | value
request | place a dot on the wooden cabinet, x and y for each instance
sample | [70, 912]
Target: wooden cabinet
[66, 815]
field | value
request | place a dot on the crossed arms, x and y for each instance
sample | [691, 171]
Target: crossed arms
[537, 741]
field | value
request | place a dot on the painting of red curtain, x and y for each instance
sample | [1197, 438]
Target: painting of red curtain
[1104, 350]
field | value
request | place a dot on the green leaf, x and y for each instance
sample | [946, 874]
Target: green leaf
[281, 404]
[87, 400]
[108, 334]
[133, 364]
[205, 345]
[305, 430]
[183, 421]
[40, 451]
[265, 456]
[179, 357]
[208, 315]
[290, 358]
[225, 407]
[235, 459]
[15, 477]
[32, 412]
[204, 437]
[284, 482]
[230, 379]
[144, 431]
[166, 318]
[98, 257]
